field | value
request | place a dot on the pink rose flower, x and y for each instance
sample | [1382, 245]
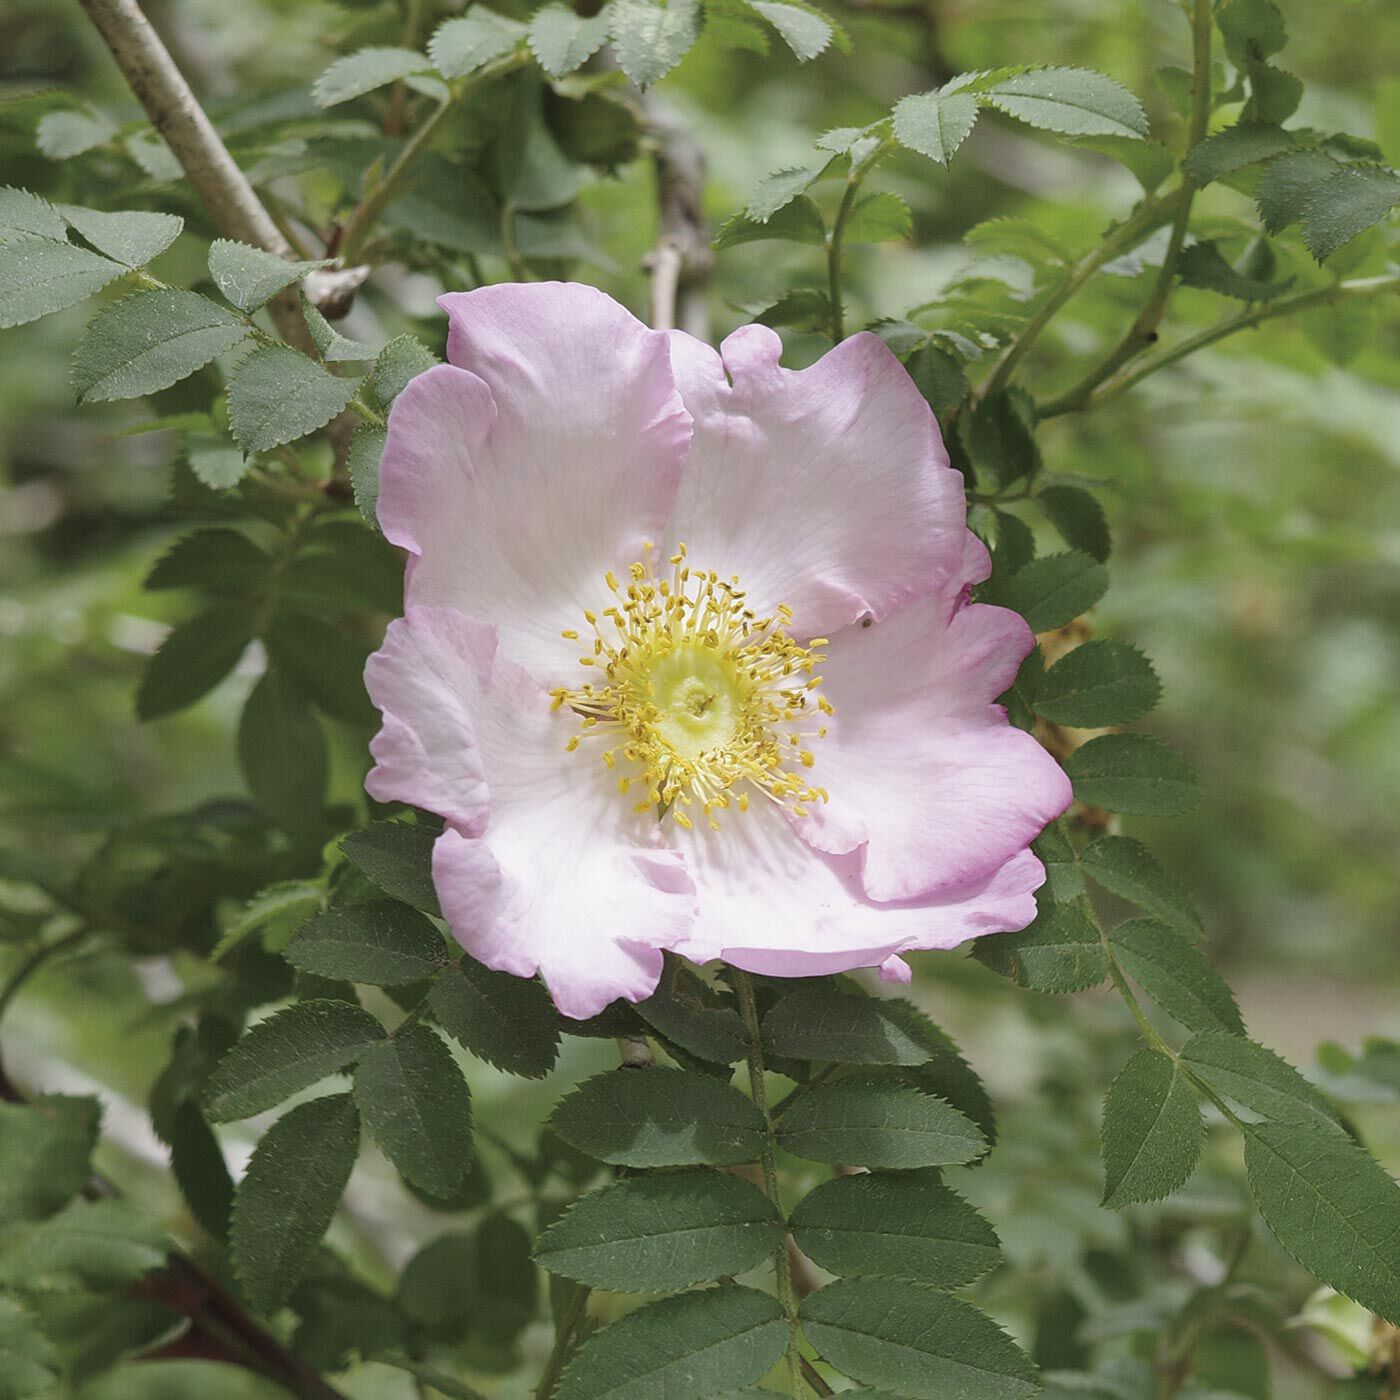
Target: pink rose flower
[687, 660]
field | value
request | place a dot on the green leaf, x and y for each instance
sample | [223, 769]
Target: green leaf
[805, 33]
[1072, 101]
[935, 123]
[1346, 204]
[41, 275]
[45, 1154]
[1097, 684]
[1000, 441]
[1063, 881]
[276, 912]
[287, 1053]
[1078, 517]
[1252, 29]
[1332, 1207]
[915, 1340]
[690, 1347]
[1287, 183]
[363, 71]
[1176, 975]
[878, 218]
[946, 1073]
[1342, 329]
[563, 40]
[878, 1121]
[326, 664]
[1060, 952]
[192, 660]
[1152, 1131]
[820, 1023]
[1203, 265]
[89, 1246]
[382, 943]
[798, 221]
[650, 39]
[212, 560]
[433, 1378]
[331, 346]
[900, 1224]
[131, 238]
[402, 359]
[215, 460]
[285, 1203]
[247, 277]
[1246, 143]
[29, 1364]
[938, 377]
[366, 448]
[398, 858]
[508, 1021]
[1126, 867]
[1256, 1079]
[63, 135]
[661, 1231]
[277, 395]
[693, 1016]
[1135, 774]
[461, 46]
[1053, 591]
[778, 190]
[282, 752]
[418, 1108]
[660, 1118]
[24, 212]
[198, 1166]
[805, 309]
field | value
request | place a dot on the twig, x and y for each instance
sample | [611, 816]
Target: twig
[682, 261]
[175, 113]
[564, 1331]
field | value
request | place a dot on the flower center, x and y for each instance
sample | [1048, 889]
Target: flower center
[705, 698]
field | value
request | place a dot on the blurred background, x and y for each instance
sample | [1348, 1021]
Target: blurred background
[1254, 495]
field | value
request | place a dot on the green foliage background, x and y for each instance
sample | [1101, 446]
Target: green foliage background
[1254, 496]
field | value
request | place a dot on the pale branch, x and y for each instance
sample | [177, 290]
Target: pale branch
[682, 261]
[175, 113]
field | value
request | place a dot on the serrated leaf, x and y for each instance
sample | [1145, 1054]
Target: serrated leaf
[938, 377]
[905, 1225]
[1061, 951]
[39, 276]
[398, 858]
[1342, 329]
[935, 123]
[363, 71]
[45, 1154]
[247, 277]
[89, 1246]
[285, 1203]
[1203, 265]
[804, 309]
[131, 238]
[198, 1166]
[1072, 101]
[1000, 440]
[1176, 975]
[460, 46]
[287, 1053]
[1257, 1079]
[689, 1347]
[693, 1016]
[1331, 1206]
[508, 1021]
[277, 395]
[192, 660]
[63, 135]
[805, 33]
[878, 218]
[1245, 143]
[402, 359]
[29, 1363]
[382, 943]
[563, 40]
[798, 221]
[878, 1121]
[661, 1231]
[1346, 204]
[820, 1023]
[21, 211]
[282, 753]
[1078, 517]
[778, 190]
[326, 665]
[366, 448]
[1097, 684]
[1051, 592]
[1287, 182]
[215, 461]
[276, 912]
[1128, 869]
[418, 1108]
[660, 1118]
[1252, 29]
[915, 1340]
[1135, 774]
[945, 1073]
[1152, 1131]
[650, 39]
[331, 346]
[147, 342]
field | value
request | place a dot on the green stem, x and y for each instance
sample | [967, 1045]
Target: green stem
[1266, 311]
[34, 962]
[563, 1337]
[833, 253]
[782, 1264]
[366, 412]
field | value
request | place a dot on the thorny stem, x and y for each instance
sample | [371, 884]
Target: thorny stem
[782, 1264]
